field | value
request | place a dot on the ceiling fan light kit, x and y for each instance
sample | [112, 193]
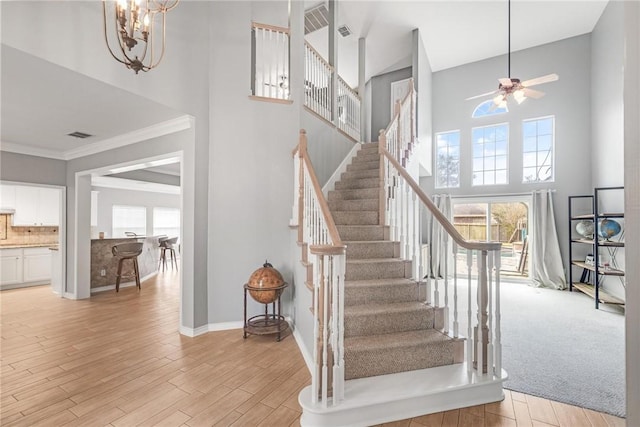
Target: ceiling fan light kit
[135, 28]
[512, 86]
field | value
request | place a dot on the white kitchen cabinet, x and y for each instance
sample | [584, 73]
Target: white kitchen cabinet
[7, 196]
[10, 266]
[36, 264]
[36, 206]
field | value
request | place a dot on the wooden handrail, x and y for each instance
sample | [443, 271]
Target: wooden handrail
[324, 207]
[270, 27]
[329, 66]
[443, 220]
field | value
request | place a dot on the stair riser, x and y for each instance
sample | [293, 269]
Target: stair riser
[355, 218]
[381, 294]
[393, 360]
[365, 173]
[358, 194]
[366, 157]
[374, 232]
[352, 184]
[369, 271]
[363, 166]
[354, 205]
[382, 249]
[388, 322]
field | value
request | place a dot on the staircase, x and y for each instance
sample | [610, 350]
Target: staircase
[387, 329]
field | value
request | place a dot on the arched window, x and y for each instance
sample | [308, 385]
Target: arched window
[487, 108]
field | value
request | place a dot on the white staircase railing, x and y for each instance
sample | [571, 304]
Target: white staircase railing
[402, 203]
[323, 249]
[270, 57]
[319, 78]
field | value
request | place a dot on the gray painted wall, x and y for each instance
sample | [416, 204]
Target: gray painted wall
[381, 98]
[568, 99]
[423, 80]
[607, 117]
[37, 170]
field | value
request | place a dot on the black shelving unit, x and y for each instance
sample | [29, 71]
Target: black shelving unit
[593, 274]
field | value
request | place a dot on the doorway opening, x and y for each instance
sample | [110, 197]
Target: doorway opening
[498, 220]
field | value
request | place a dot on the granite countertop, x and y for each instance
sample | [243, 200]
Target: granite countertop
[29, 245]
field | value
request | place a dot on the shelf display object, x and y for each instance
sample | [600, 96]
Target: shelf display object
[602, 233]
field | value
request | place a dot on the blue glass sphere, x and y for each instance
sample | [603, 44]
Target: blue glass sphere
[609, 228]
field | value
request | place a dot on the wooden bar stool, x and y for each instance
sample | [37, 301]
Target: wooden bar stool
[167, 245]
[125, 251]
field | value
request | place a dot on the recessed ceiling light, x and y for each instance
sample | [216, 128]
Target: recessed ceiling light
[78, 134]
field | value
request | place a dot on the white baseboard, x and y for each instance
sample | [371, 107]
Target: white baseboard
[24, 285]
[308, 360]
[193, 332]
[225, 326]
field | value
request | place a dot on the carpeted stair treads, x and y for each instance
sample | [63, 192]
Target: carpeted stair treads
[387, 328]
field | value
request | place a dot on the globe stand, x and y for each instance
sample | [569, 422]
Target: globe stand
[265, 324]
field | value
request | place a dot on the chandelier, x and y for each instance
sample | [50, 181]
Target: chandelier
[135, 25]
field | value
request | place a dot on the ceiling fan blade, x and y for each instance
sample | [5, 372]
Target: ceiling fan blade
[539, 80]
[505, 82]
[493, 92]
[531, 93]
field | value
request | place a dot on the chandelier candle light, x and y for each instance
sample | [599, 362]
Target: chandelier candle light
[133, 24]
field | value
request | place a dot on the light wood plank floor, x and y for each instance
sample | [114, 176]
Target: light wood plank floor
[118, 360]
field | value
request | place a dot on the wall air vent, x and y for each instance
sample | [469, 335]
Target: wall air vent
[344, 30]
[316, 18]
[80, 135]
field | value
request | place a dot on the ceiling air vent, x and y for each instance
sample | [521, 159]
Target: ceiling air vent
[344, 30]
[78, 134]
[316, 18]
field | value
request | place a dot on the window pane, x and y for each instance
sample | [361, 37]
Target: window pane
[489, 177]
[501, 177]
[529, 144]
[447, 159]
[529, 160]
[490, 148]
[537, 150]
[166, 221]
[131, 219]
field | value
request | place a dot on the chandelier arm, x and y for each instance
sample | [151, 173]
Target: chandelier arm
[106, 39]
[163, 43]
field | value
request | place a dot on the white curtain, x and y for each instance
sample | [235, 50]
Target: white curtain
[546, 263]
[438, 237]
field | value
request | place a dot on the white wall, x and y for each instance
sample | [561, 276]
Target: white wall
[423, 78]
[108, 197]
[568, 99]
[607, 119]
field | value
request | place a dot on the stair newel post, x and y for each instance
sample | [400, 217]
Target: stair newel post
[339, 268]
[408, 237]
[402, 206]
[325, 335]
[445, 252]
[437, 241]
[398, 149]
[302, 150]
[454, 252]
[498, 337]
[492, 255]
[417, 268]
[470, 340]
[317, 348]
[427, 262]
[481, 328]
[382, 202]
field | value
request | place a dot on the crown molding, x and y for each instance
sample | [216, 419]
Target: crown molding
[29, 150]
[154, 131]
[164, 128]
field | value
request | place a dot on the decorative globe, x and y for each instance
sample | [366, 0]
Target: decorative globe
[262, 281]
[585, 229]
[609, 228]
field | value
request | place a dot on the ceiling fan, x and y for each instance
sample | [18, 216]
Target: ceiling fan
[512, 86]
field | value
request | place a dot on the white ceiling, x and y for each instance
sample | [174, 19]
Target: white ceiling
[43, 102]
[454, 32]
